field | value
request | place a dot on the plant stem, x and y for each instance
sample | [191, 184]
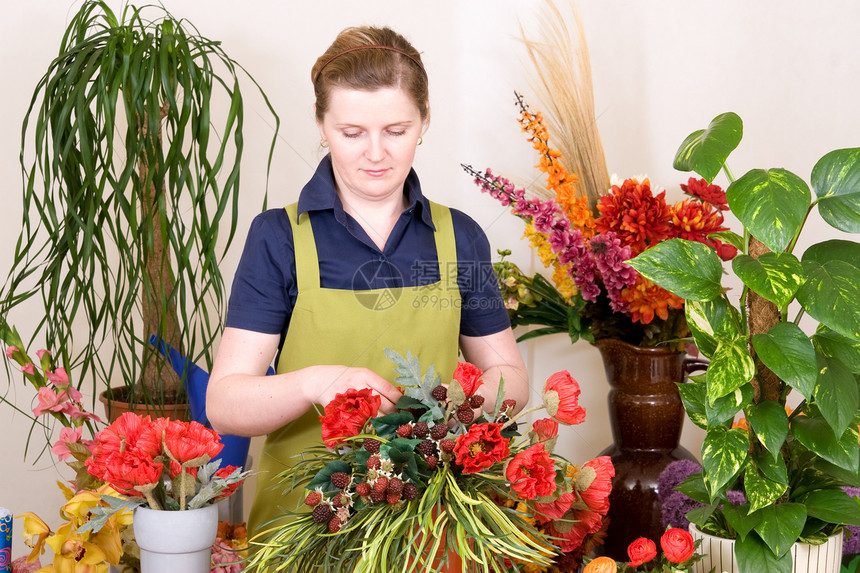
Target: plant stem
[521, 414]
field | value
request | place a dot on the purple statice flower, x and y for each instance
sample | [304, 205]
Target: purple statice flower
[851, 545]
[674, 508]
[673, 474]
[736, 497]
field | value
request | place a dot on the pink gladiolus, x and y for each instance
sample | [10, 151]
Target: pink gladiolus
[67, 436]
[10, 350]
[74, 395]
[49, 401]
[28, 368]
[58, 378]
[42, 352]
[75, 413]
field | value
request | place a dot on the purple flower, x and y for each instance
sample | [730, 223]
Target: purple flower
[851, 545]
[673, 474]
[736, 497]
[674, 509]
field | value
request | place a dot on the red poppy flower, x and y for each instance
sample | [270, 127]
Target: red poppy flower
[545, 429]
[677, 545]
[641, 551]
[566, 390]
[176, 469]
[481, 447]
[584, 523]
[596, 496]
[188, 441]
[532, 473]
[555, 509]
[469, 377]
[223, 473]
[346, 415]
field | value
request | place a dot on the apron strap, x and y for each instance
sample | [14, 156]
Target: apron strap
[307, 263]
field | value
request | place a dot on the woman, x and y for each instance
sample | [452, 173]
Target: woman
[363, 262]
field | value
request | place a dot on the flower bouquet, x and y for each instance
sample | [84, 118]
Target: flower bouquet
[433, 484]
[593, 293]
[679, 555]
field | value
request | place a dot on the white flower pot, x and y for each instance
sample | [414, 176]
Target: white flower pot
[720, 554]
[175, 541]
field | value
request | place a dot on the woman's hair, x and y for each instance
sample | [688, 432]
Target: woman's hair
[370, 58]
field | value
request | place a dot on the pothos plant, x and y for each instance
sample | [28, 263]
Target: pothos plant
[798, 391]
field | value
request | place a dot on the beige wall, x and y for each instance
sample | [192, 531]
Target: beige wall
[661, 69]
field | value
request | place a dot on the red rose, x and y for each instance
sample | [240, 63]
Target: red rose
[545, 429]
[532, 473]
[641, 551]
[596, 496]
[224, 473]
[561, 395]
[469, 377]
[481, 447]
[347, 414]
[188, 441]
[677, 545]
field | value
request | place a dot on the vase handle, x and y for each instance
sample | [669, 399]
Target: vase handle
[691, 365]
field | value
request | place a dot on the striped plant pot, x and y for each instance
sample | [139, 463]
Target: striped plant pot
[720, 555]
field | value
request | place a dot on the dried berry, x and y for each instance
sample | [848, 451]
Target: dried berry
[340, 480]
[392, 498]
[381, 484]
[509, 404]
[377, 496]
[465, 415]
[374, 463]
[447, 445]
[421, 430]
[440, 393]
[432, 462]
[405, 431]
[476, 401]
[321, 513]
[313, 499]
[439, 431]
[427, 447]
[363, 489]
[372, 445]
[335, 524]
[395, 485]
[409, 491]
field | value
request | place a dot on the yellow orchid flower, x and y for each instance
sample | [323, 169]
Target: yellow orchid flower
[35, 533]
[109, 541]
[77, 509]
[74, 553]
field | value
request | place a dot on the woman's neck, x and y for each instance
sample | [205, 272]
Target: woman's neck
[377, 217]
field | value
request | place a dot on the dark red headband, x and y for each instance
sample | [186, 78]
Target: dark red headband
[370, 47]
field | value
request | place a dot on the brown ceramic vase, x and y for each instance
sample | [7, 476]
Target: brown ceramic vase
[646, 414]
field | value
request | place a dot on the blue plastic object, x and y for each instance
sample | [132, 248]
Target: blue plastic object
[235, 452]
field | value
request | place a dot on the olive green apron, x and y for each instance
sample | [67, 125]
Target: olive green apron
[332, 326]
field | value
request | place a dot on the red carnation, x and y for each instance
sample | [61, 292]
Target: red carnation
[641, 551]
[481, 447]
[224, 473]
[187, 441]
[132, 432]
[532, 473]
[677, 545]
[124, 471]
[346, 415]
[469, 377]
[566, 391]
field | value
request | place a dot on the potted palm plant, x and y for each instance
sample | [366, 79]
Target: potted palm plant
[798, 391]
[131, 149]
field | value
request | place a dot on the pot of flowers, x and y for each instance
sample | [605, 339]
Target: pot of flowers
[431, 487]
[797, 391]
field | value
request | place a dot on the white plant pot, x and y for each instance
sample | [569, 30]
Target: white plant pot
[175, 541]
[720, 554]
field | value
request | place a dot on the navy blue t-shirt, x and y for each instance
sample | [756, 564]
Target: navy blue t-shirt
[264, 289]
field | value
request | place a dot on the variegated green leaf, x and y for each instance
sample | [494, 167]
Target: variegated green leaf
[741, 519]
[787, 351]
[816, 434]
[760, 490]
[729, 237]
[708, 320]
[834, 345]
[836, 394]
[775, 276]
[724, 452]
[724, 409]
[753, 554]
[730, 368]
[694, 396]
[773, 469]
[836, 181]
[781, 525]
[769, 421]
[771, 204]
[687, 269]
[705, 151]
[833, 506]
[834, 250]
[831, 294]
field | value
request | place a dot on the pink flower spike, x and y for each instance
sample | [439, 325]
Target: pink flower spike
[10, 350]
[58, 378]
[67, 436]
[28, 368]
[42, 352]
[74, 395]
[75, 413]
[49, 401]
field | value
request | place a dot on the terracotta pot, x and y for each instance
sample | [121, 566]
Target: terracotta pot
[646, 414]
[117, 406]
[720, 554]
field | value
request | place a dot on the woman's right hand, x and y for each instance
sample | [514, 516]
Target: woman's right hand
[322, 383]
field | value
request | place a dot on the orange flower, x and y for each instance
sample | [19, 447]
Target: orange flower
[601, 565]
[635, 216]
[645, 300]
[694, 221]
[677, 545]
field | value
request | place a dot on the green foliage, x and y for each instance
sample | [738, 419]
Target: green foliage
[790, 466]
[131, 151]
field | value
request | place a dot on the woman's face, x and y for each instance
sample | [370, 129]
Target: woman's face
[372, 136]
